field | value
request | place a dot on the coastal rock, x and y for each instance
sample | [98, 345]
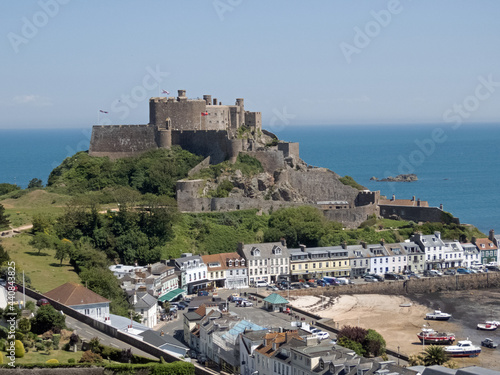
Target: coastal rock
[399, 178]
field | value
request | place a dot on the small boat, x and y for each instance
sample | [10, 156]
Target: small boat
[406, 305]
[437, 315]
[429, 336]
[487, 326]
[464, 348]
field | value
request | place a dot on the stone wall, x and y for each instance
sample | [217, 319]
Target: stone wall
[271, 160]
[118, 141]
[351, 217]
[184, 114]
[416, 214]
[211, 143]
[289, 149]
[320, 184]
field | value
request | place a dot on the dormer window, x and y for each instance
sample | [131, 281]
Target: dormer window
[255, 252]
[321, 364]
[243, 262]
[230, 263]
[482, 245]
[236, 263]
[277, 250]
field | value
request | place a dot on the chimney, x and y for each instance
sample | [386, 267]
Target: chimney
[473, 240]
[215, 101]
[393, 197]
[413, 199]
[344, 245]
[302, 248]
[283, 241]
[135, 299]
[441, 207]
[382, 242]
[492, 235]
[437, 234]
[418, 202]
[363, 243]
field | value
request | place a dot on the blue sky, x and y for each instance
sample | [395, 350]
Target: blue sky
[298, 62]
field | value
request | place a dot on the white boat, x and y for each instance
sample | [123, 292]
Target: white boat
[437, 315]
[464, 348]
[487, 326]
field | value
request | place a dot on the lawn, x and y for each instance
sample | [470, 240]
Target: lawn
[43, 269]
[41, 357]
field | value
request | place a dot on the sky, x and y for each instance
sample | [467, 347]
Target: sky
[298, 62]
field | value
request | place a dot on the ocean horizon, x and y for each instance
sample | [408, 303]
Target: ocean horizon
[456, 167]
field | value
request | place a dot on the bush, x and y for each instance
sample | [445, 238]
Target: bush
[56, 337]
[53, 360]
[19, 349]
[71, 360]
[39, 346]
[179, 368]
[89, 357]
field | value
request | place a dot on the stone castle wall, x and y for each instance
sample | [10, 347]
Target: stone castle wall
[271, 160]
[118, 141]
[319, 184]
[416, 214]
[351, 217]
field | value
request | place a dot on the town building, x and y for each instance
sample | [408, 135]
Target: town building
[487, 249]
[317, 262]
[194, 272]
[433, 247]
[359, 259]
[471, 254]
[398, 258]
[82, 300]
[416, 256]
[226, 270]
[266, 261]
[453, 254]
[146, 305]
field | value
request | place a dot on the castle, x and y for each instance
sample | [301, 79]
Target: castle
[221, 132]
[202, 126]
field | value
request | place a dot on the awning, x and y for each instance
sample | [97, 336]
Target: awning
[171, 295]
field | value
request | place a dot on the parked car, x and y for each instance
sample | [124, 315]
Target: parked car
[244, 303]
[489, 343]
[391, 276]
[42, 302]
[370, 279]
[305, 285]
[450, 272]
[311, 284]
[463, 271]
[202, 293]
[432, 273]
[272, 287]
[414, 275]
[177, 305]
[322, 335]
[321, 283]
[296, 286]
[315, 330]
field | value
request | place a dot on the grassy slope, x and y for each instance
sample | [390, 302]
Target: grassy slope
[43, 270]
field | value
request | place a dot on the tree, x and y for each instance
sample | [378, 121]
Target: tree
[19, 349]
[24, 325]
[374, 343]
[35, 183]
[4, 221]
[435, 355]
[4, 256]
[42, 241]
[64, 249]
[46, 318]
[7, 188]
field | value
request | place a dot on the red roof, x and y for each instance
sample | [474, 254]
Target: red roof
[73, 294]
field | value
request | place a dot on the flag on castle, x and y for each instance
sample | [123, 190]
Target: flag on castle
[165, 92]
[102, 111]
[204, 113]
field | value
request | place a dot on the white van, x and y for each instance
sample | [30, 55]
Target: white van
[261, 284]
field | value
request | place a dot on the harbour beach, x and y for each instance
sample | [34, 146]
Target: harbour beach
[400, 325]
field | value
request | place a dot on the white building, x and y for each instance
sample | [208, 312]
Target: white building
[398, 258]
[195, 272]
[226, 270]
[471, 254]
[82, 300]
[266, 261]
[146, 305]
[433, 247]
[453, 254]
[416, 256]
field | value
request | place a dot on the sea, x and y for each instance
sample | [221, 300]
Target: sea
[456, 166]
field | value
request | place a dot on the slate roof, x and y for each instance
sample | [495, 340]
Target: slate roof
[144, 300]
[275, 299]
[266, 250]
[73, 294]
[154, 338]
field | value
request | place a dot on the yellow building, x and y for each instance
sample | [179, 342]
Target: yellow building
[318, 262]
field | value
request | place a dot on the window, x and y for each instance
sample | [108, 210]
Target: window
[306, 266]
[314, 265]
[293, 267]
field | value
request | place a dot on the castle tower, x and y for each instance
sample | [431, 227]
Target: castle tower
[164, 134]
[240, 102]
[207, 99]
[181, 95]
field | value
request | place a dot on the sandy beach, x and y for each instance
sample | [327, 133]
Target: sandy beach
[398, 319]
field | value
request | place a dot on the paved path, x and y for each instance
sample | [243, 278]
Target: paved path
[13, 231]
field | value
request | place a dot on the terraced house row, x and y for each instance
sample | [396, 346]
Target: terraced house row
[268, 263]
